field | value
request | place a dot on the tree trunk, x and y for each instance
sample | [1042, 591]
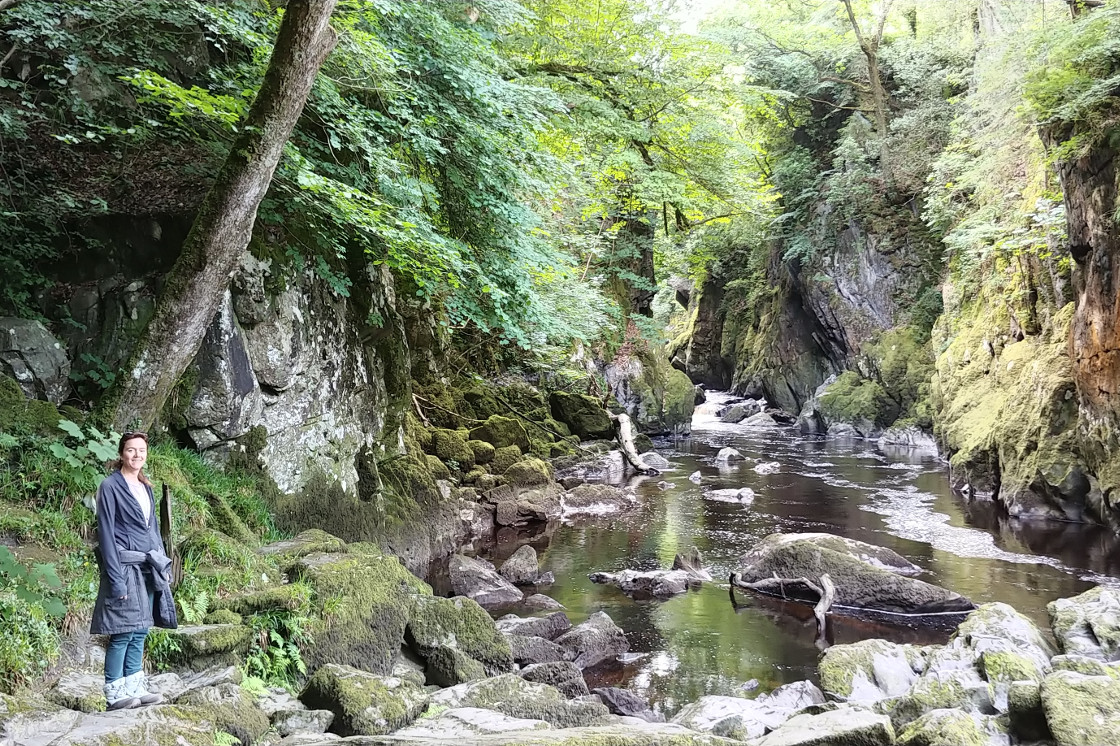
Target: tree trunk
[224, 224]
[870, 49]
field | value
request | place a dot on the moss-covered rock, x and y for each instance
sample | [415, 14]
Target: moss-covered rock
[502, 432]
[1009, 645]
[505, 458]
[1024, 711]
[1088, 624]
[306, 542]
[449, 667]
[223, 518]
[222, 616]
[511, 695]
[583, 415]
[288, 597]
[229, 708]
[204, 645]
[953, 728]
[450, 445]
[528, 472]
[21, 415]
[437, 468]
[955, 689]
[459, 624]
[858, 402]
[472, 476]
[870, 670]
[483, 451]
[364, 703]
[1082, 710]
[364, 603]
[79, 690]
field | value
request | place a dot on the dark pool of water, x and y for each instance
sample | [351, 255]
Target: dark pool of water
[704, 642]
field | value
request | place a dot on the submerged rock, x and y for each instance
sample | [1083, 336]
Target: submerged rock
[597, 499]
[744, 495]
[655, 460]
[865, 576]
[768, 467]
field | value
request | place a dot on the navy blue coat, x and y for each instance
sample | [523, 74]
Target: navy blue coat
[121, 525]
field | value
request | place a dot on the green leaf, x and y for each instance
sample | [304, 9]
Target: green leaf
[71, 428]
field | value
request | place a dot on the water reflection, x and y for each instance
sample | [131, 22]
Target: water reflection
[704, 643]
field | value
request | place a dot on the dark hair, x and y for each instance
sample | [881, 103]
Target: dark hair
[116, 465]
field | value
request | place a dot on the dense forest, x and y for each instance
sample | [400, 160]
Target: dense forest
[379, 270]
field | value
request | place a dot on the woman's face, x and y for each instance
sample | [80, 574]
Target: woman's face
[134, 454]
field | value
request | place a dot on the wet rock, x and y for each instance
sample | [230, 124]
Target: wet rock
[563, 675]
[594, 641]
[35, 359]
[655, 460]
[625, 702]
[743, 495]
[843, 430]
[1088, 624]
[841, 726]
[513, 696]
[521, 568]
[954, 728]
[768, 467]
[479, 581]
[465, 724]
[740, 719]
[695, 477]
[364, 703]
[728, 456]
[865, 576]
[597, 498]
[692, 562]
[738, 412]
[528, 650]
[910, 436]
[541, 602]
[762, 420]
[549, 627]
[870, 670]
[663, 485]
[1024, 712]
[1082, 710]
[658, 583]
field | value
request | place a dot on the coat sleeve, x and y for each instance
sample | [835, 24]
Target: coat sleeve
[106, 538]
[157, 537]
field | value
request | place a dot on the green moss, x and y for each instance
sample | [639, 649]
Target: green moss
[227, 708]
[528, 472]
[1007, 666]
[450, 445]
[502, 432]
[904, 364]
[364, 704]
[505, 458]
[483, 451]
[515, 697]
[1081, 710]
[309, 541]
[199, 647]
[364, 603]
[582, 414]
[223, 518]
[951, 728]
[222, 616]
[462, 624]
[852, 399]
[472, 476]
[437, 468]
[288, 597]
[23, 416]
[450, 667]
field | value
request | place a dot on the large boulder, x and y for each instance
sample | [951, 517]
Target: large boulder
[35, 359]
[502, 432]
[1088, 624]
[865, 576]
[364, 601]
[564, 675]
[954, 728]
[513, 696]
[521, 568]
[1082, 710]
[583, 415]
[528, 650]
[549, 627]
[597, 499]
[870, 670]
[738, 412]
[202, 646]
[478, 580]
[1007, 645]
[458, 624]
[230, 708]
[740, 718]
[594, 641]
[841, 727]
[364, 704]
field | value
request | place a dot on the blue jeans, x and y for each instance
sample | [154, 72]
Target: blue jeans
[124, 655]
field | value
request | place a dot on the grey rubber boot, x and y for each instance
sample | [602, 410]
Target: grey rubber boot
[136, 685]
[117, 696]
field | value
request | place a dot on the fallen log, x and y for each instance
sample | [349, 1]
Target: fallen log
[625, 435]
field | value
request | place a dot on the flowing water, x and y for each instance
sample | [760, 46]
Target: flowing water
[704, 642]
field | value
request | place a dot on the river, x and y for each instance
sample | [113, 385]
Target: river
[702, 643]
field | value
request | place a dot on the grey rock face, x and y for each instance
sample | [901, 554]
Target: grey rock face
[844, 726]
[35, 359]
[521, 568]
[1088, 624]
[563, 675]
[291, 722]
[549, 627]
[528, 650]
[479, 581]
[659, 583]
[625, 702]
[597, 640]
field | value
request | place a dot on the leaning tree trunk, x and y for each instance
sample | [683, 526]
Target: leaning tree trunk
[221, 231]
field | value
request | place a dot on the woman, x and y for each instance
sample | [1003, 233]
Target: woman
[134, 574]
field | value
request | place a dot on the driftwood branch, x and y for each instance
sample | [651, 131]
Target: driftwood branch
[828, 595]
[625, 430]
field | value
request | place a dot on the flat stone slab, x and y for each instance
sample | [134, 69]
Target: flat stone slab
[848, 725]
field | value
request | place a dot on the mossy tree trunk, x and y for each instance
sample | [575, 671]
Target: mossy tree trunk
[224, 224]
